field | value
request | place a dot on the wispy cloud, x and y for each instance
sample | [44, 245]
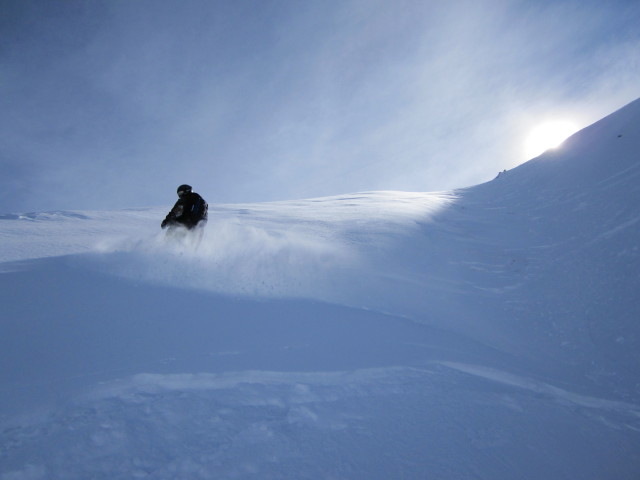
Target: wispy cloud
[119, 102]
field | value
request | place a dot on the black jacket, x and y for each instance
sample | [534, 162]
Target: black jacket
[189, 211]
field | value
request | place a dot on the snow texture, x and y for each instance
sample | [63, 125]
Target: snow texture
[491, 332]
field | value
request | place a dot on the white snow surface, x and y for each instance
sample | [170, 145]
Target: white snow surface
[491, 332]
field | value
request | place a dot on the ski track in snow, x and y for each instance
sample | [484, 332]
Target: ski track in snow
[544, 388]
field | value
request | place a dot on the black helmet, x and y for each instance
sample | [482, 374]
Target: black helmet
[182, 189]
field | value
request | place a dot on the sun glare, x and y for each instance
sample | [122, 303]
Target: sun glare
[547, 135]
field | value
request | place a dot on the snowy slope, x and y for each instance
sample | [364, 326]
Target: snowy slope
[491, 332]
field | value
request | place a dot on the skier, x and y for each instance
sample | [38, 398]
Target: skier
[189, 211]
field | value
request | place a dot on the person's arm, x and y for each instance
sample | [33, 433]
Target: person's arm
[175, 213]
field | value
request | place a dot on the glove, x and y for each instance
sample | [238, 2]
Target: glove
[164, 223]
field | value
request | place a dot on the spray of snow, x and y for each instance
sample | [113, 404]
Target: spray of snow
[311, 249]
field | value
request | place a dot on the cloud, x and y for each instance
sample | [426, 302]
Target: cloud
[250, 101]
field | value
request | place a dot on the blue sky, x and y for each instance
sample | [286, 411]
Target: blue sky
[113, 104]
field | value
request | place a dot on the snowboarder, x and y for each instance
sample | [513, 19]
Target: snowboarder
[189, 211]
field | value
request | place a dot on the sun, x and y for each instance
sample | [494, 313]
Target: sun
[548, 135]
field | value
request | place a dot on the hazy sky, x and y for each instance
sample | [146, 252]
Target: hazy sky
[112, 104]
